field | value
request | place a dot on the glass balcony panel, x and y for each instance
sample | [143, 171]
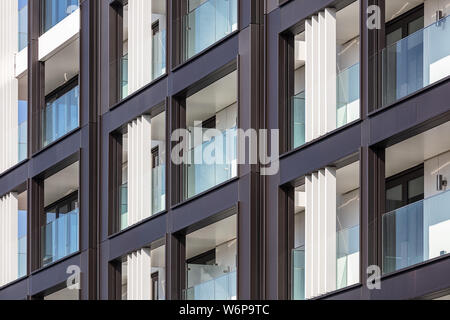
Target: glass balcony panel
[298, 117]
[159, 54]
[60, 117]
[205, 172]
[124, 206]
[22, 257]
[207, 282]
[124, 77]
[23, 25]
[347, 264]
[348, 106]
[158, 189]
[416, 233]
[416, 61]
[207, 24]
[59, 238]
[298, 273]
[55, 11]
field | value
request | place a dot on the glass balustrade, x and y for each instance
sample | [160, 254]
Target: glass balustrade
[124, 77]
[347, 103]
[159, 54]
[298, 125]
[158, 189]
[210, 283]
[59, 238]
[298, 273]
[416, 61]
[60, 116]
[23, 24]
[23, 152]
[22, 257]
[416, 233]
[347, 264]
[212, 163]
[124, 206]
[207, 24]
[158, 195]
[54, 11]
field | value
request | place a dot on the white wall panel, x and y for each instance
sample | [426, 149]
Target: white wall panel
[139, 169]
[139, 275]
[9, 240]
[320, 75]
[139, 43]
[8, 84]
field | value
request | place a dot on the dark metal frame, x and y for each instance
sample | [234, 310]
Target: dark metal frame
[263, 237]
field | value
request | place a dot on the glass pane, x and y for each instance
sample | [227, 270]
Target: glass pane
[55, 11]
[416, 233]
[416, 187]
[298, 118]
[348, 107]
[23, 24]
[394, 198]
[212, 163]
[394, 36]
[298, 274]
[60, 117]
[210, 282]
[415, 25]
[59, 238]
[206, 23]
[416, 61]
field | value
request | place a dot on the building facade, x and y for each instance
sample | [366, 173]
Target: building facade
[98, 98]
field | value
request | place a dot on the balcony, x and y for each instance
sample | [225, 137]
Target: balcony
[54, 11]
[158, 195]
[347, 103]
[416, 61]
[59, 238]
[60, 116]
[347, 257]
[124, 77]
[298, 273]
[416, 233]
[22, 257]
[298, 117]
[214, 283]
[207, 24]
[159, 54]
[203, 173]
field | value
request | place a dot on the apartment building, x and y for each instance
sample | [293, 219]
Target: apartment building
[93, 205]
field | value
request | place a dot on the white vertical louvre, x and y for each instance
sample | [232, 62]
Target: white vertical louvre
[139, 169]
[320, 232]
[139, 270]
[9, 152]
[139, 43]
[320, 75]
[9, 263]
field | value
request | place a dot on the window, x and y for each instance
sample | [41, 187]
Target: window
[140, 33]
[211, 120]
[144, 273]
[325, 92]
[326, 221]
[211, 269]
[143, 154]
[59, 223]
